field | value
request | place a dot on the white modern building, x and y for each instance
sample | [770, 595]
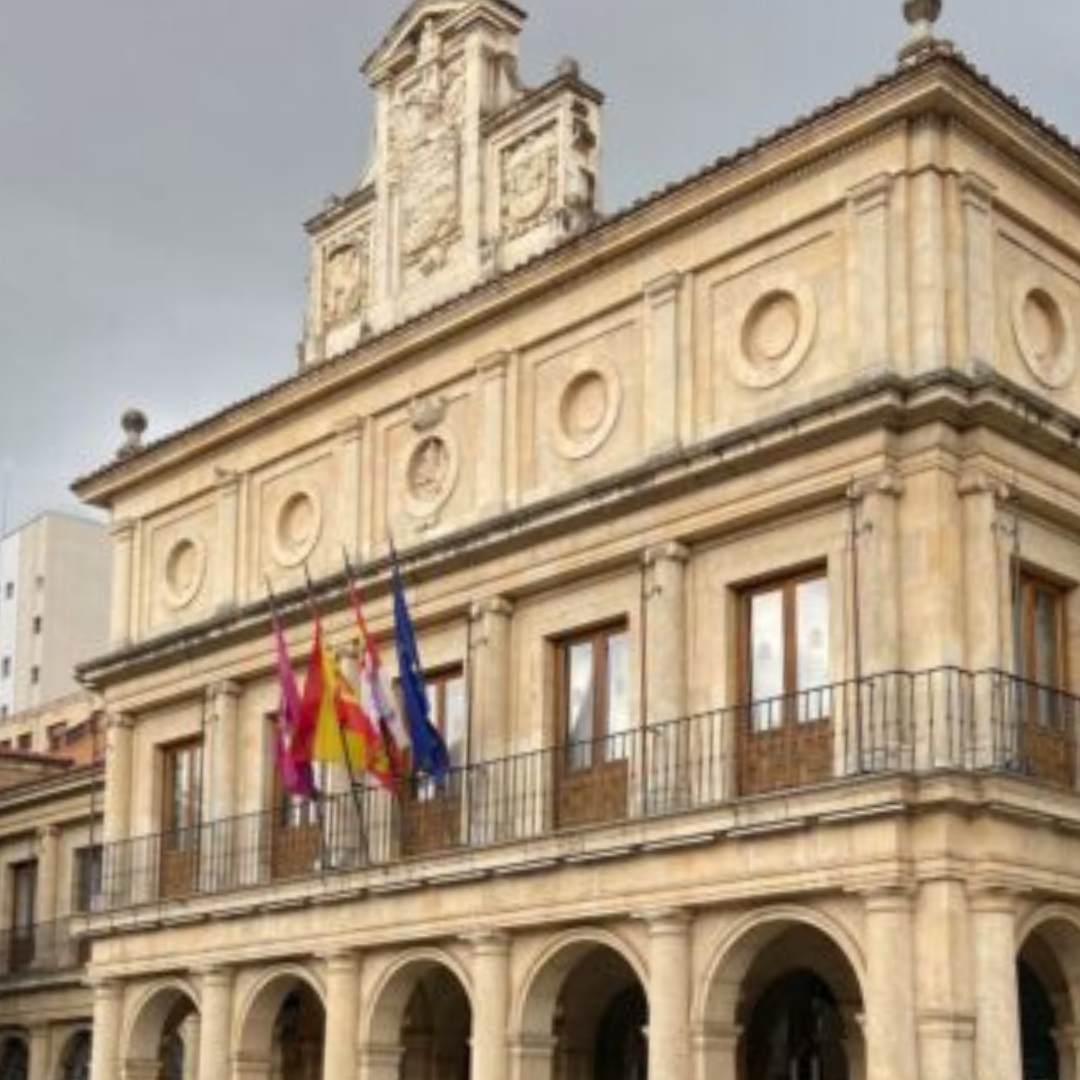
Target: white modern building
[54, 603]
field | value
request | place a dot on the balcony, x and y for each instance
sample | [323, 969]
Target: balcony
[899, 723]
[44, 948]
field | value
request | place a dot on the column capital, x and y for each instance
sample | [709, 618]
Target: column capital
[493, 605]
[896, 896]
[661, 288]
[714, 1035]
[227, 688]
[341, 961]
[48, 832]
[214, 975]
[105, 986]
[993, 898]
[976, 191]
[871, 194]
[533, 1047]
[981, 482]
[666, 551]
[227, 481]
[667, 922]
[488, 942]
[494, 365]
[122, 528]
[350, 427]
[119, 722]
[889, 484]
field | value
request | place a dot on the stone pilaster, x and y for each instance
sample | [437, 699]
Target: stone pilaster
[662, 323]
[493, 443]
[122, 535]
[191, 1037]
[869, 213]
[879, 573]
[891, 1042]
[977, 208]
[491, 977]
[215, 1034]
[997, 1011]
[40, 1053]
[350, 451]
[490, 682]
[669, 994]
[926, 225]
[48, 875]
[665, 643]
[715, 1048]
[342, 1015]
[108, 1015]
[222, 736]
[227, 545]
[119, 737]
[946, 1018]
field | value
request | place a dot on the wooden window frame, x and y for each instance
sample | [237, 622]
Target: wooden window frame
[88, 879]
[788, 585]
[600, 634]
[169, 753]
[1030, 583]
[29, 867]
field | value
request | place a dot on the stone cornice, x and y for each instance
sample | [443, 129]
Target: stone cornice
[939, 83]
[888, 402]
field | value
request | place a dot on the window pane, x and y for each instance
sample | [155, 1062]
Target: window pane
[618, 695]
[767, 658]
[455, 722]
[23, 908]
[1047, 668]
[812, 637]
[580, 703]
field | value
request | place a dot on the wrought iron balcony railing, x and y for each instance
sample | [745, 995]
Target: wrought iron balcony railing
[43, 947]
[898, 722]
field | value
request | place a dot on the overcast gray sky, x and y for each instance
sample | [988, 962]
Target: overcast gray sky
[157, 159]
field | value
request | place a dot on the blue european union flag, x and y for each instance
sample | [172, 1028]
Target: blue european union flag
[429, 753]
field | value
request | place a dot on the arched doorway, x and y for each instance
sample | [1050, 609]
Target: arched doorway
[796, 1032]
[585, 1015]
[14, 1059]
[422, 1022]
[1037, 1023]
[782, 1001]
[157, 1042]
[1047, 975]
[75, 1060]
[284, 1029]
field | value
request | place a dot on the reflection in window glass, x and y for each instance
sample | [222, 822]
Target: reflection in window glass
[454, 724]
[767, 659]
[812, 654]
[581, 690]
[618, 701]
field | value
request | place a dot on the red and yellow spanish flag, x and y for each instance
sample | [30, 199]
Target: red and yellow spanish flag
[332, 741]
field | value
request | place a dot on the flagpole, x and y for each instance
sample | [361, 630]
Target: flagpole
[357, 800]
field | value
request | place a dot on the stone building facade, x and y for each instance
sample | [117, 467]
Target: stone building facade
[50, 865]
[741, 530]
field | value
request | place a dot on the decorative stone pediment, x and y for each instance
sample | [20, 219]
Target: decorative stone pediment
[473, 173]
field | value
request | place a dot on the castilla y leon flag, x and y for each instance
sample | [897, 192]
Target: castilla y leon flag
[294, 767]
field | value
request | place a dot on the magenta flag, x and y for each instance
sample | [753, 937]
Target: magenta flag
[297, 775]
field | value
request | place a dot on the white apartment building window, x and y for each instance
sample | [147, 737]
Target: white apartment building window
[25, 741]
[37, 624]
[9, 590]
[35, 675]
[5, 667]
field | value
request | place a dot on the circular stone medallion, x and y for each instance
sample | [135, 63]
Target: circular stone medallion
[587, 409]
[185, 569]
[431, 472]
[1044, 335]
[775, 328]
[297, 527]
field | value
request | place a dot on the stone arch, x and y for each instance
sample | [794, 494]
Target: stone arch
[263, 1002]
[73, 1061]
[149, 1014]
[735, 949]
[582, 1009]
[1048, 982]
[419, 1021]
[784, 988]
[535, 1003]
[14, 1054]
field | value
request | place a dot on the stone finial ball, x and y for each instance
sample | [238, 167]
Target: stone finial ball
[917, 11]
[133, 423]
[568, 67]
